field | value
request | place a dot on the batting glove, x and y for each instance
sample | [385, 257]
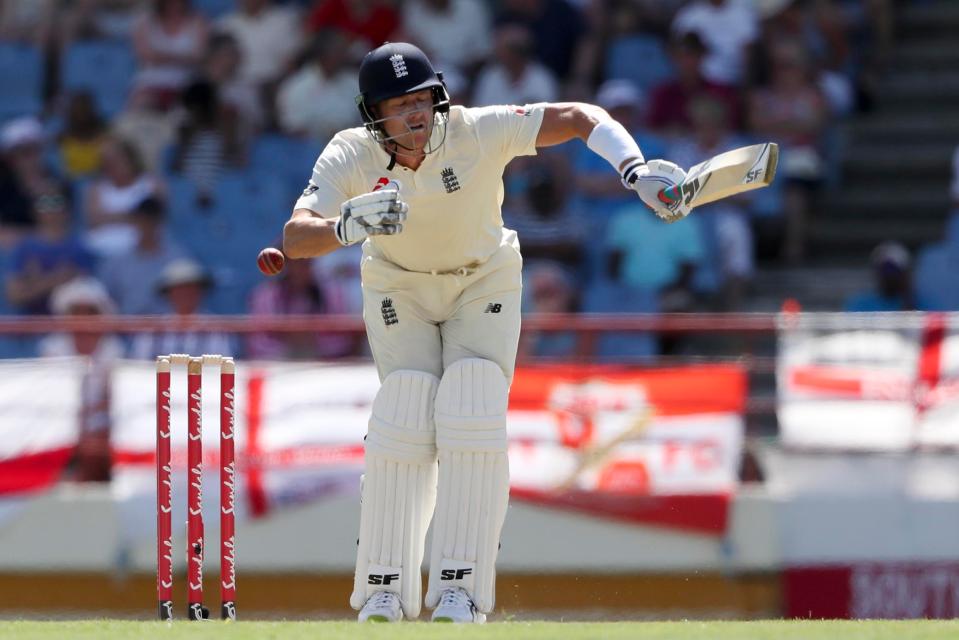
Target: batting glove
[380, 213]
[650, 179]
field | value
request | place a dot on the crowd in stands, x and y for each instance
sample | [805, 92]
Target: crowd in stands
[149, 149]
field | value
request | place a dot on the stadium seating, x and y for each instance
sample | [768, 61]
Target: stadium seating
[639, 58]
[21, 76]
[103, 67]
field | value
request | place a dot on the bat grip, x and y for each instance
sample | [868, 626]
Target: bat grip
[671, 195]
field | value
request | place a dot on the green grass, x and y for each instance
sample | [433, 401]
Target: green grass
[760, 630]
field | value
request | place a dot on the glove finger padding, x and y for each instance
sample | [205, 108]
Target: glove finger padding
[370, 214]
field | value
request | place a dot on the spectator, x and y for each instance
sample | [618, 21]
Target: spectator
[184, 284]
[297, 291]
[222, 67]
[369, 22]
[47, 258]
[513, 76]
[556, 28]
[28, 21]
[82, 136]
[132, 277]
[792, 112]
[318, 100]
[208, 140]
[122, 184]
[669, 109]
[541, 217]
[548, 289]
[22, 144]
[892, 270]
[453, 33]
[169, 42]
[269, 38]
[16, 214]
[85, 297]
[728, 28]
[646, 254]
[729, 238]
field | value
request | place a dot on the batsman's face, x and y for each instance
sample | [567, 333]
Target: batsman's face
[409, 119]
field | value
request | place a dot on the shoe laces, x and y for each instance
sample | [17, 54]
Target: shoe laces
[382, 599]
[456, 597]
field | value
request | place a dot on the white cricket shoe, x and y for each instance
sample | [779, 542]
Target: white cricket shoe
[383, 606]
[457, 606]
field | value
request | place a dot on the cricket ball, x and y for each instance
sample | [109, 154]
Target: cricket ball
[270, 261]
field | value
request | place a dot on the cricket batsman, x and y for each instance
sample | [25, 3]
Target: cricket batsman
[420, 185]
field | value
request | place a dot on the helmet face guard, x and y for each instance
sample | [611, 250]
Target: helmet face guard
[393, 70]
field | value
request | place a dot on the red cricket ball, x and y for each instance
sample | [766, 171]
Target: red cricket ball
[270, 261]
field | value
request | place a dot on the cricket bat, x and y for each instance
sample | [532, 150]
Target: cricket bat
[725, 175]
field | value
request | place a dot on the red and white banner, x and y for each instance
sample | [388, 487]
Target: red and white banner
[877, 389]
[899, 590]
[660, 447]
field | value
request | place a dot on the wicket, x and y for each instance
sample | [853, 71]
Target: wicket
[195, 538]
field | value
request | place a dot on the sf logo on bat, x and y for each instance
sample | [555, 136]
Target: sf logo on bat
[690, 189]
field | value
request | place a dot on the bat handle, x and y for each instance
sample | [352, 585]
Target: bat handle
[671, 195]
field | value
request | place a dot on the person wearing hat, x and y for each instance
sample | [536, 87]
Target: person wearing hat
[24, 174]
[184, 283]
[893, 291]
[420, 184]
[85, 296]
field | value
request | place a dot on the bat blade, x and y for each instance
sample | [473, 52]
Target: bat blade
[727, 174]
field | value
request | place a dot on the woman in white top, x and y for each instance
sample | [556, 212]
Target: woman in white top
[121, 185]
[170, 42]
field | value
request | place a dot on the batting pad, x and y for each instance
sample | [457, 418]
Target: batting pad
[473, 480]
[398, 490]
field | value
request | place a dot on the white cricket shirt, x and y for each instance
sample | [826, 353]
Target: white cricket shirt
[454, 197]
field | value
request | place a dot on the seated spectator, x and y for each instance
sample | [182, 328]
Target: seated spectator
[85, 297]
[132, 277]
[184, 284]
[455, 34]
[646, 253]
[222, 67]
[728, 235]
[169, 42]
[22, 143]
[318, 100]
[792, 112]
[669, 105]
[556, 30]
[892, 270]
[548, 289]
[728, 28]
[513, 76]
[46, 258]
[16, 213]
[541, 216]
[208, 141]
[369, 22]
[121, 185]
[82, 136]
[269, 37]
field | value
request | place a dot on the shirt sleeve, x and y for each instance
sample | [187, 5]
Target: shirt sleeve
[510, 130]
[328, 188]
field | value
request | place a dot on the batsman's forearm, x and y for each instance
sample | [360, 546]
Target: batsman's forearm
[308, 236]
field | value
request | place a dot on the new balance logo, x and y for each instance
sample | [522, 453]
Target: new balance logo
[454, 574]
[493, 307]
[387, 578]
[399, 65]
[450, 180]
[389, 313]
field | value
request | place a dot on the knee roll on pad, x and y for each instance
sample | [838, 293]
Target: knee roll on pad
[398, 490]
[473, 488]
